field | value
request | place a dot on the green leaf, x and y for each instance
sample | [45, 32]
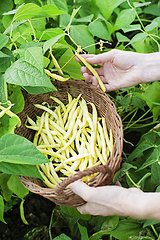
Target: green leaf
[72, 67]
[6, 192]
[137, 4]
[150, 222]
[125, 229]
[5, 6]
[125, 17]
[52, 10]
[17, 99]
[121, 37]
[32, 55]
[130, 28]
[5, 62]
[155, 171]
[154, 156]
[3, 90]
[83, 37]
[19, 150]
[152, 97]
[98, 28]
[38, 90]
[61, 4]
[109, 5]
[138, 102]
[75, 213]
[29, 11]
[51, 42]
[16, 187]
[153, 9]
[3, 40]
[24, 74]
[20, 169]
[83, 231]
[11, 125]
[119, 174]
[2, 209]
[145, 145]
[62, 237]
[138, 37]
[49, 33]
[151, 26]
[14, 25]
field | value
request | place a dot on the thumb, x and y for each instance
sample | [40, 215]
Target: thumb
[81, 189]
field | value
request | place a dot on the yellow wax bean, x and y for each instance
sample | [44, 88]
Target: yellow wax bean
[57, 127]
[92, 70]
[106, 134]
[55, 62]
[55, 76]
[59, 102]
[47, 129]
[104, 148]
[47, 110]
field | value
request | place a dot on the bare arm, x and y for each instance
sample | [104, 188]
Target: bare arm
[116, 200]
[121, 69]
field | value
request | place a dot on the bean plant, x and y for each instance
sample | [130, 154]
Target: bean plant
[34, 35]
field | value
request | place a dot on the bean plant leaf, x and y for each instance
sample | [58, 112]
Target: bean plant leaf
[138, 37]
[132, 27]
[17, 99]
[12, 122]
[5, 62]
[6, 192]
[138, 152]
[29, 11]
[51, 42]
[24, 74]
[2, 209]
[62, 237]
[49, 33]
[119, 174]
[3, 40]
[121, 37]
[52, 10]
[19, 150]
[125, 18]
[98, 28]
[20, 169]
[154, 157]
[153, 9]
[32, 55]
[14, 25]
[125, 229]
[155, 173]
[16, 187]
[151, 26]
[61, 4]
[109, 5]
[83, 232]
[72, 67]
[137, 4]
[83, 37]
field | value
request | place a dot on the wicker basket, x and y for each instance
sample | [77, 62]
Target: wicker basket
[62, 195]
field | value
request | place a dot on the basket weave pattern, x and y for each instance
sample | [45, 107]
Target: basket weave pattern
[62, 195]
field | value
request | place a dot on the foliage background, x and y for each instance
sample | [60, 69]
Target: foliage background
[29, 31]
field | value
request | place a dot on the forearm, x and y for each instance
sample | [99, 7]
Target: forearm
[150, 65]
[142, 205]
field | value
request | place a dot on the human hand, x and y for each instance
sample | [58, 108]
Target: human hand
[120, 69]
[109, 200]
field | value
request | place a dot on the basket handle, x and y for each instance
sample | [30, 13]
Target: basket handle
[104, 169]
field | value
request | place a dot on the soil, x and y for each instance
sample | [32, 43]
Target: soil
[38, 211]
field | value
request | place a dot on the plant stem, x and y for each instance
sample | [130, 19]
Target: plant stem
[32, 30]
[50, 225]
[137, 120]
[137, 186]
[154, 230]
